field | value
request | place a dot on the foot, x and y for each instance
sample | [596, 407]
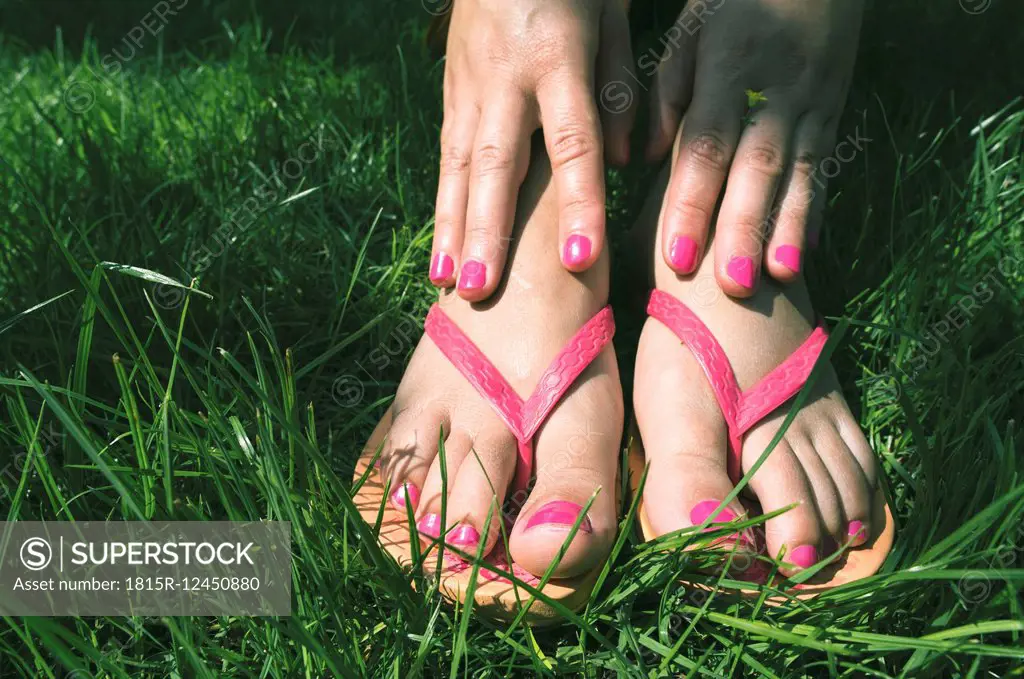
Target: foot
[521, 329]
[823, 465]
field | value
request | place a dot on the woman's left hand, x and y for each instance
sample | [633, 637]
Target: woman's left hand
[763, 84]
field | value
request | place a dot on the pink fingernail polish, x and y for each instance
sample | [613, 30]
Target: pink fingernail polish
[473, 275]
[789, 257]
[804, 556]
[682, 252]
[560, 513]
[429, 525]
[577, 250]
[702, 510]
[741, 270]
[398, 497]
[463, 535]
[857, 532]
[441, 268]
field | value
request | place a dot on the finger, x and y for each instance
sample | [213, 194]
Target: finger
[705, 149]
[796, 200]
[501, 154]
[457, 133]
[672, 87]
[616, 93]
[744, 217]
[572, 137]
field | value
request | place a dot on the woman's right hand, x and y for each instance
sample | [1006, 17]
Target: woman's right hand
[514, 66]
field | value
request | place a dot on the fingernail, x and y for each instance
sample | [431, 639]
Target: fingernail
[473, 275]
[682, 253]
[804, 556]
[741, 270]
[857, 532]
[463, 535]
[560, 513]
[398, 497]
[429, 525]
[702, 510]
[441, 268]
[789, 257]
[576, 251]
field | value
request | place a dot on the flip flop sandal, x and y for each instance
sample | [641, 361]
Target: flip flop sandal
[495, 596]
[744, 409]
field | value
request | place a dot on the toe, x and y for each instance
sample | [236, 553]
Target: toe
[856, 475]
[409, 451]
[685, 438]
[476, 497]
[439, 480]
[576, 460]
[782, 484]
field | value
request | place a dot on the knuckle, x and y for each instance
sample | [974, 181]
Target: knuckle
[804, 165]
[765, 158]
[490, 158]
[571, 144]
[454, 160]
[688, 211]
[709, 151]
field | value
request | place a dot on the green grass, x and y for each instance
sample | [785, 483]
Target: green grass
[248, 396]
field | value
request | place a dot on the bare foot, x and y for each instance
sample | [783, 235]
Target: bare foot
[539, 308]
[823, 464]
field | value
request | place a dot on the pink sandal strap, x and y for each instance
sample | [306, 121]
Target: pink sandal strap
[523, 418]
[742, 410]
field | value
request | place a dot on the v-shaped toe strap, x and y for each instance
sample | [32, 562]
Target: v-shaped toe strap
[742, 410]
[522, 417]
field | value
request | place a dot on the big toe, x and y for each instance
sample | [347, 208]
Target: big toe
[576, 458]
[685, 440]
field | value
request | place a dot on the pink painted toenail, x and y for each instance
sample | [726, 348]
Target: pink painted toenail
[560, 513]
[857, 532]
[741, 270]
[682, 252]
[441, 268]
[430, 525]
[804, 556]
[398, 497]
[702, 510]
[789, 257]
[473, 275]
[464, 535]
[577, 250]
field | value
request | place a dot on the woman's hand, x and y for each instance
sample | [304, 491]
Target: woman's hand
[514, 66]
[763, 84]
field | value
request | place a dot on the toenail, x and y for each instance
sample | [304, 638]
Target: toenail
[398, 497]
[463, 535]
[804, 556]
[682, 253]
[441, 268]
[430, 525]
[560, 513]
[702, 510]
[577, 250]
[741, 270]
[857, 532]
[473, 275]
[789, 257]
